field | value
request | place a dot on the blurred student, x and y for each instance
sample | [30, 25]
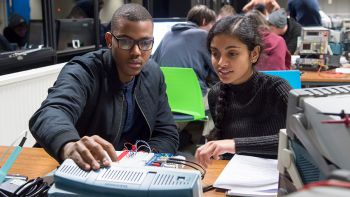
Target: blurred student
[248, 107]
[4, 44]
[305, 12]
[286, 27]
[184, 45]
[275, 54]
[107, 98]
[226, 10]
[17, 31]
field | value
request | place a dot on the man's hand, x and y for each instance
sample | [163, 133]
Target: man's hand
[270, 5]
[89, 152]
[214, 149]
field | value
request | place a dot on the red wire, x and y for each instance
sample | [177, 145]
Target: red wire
[328, 183]
[329, 74]
[120, 157]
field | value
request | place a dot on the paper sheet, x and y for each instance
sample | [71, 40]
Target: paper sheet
[247, 175]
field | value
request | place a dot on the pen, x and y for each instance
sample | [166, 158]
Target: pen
[208, 188]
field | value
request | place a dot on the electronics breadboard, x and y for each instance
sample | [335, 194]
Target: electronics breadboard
[138, 159]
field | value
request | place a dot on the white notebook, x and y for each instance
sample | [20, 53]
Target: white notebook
[249, 176]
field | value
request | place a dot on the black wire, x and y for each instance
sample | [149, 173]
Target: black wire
[189, 165]
[188, 161]
[33, 188]
[2, 194]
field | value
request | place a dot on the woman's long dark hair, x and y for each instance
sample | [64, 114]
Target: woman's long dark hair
[245, 28]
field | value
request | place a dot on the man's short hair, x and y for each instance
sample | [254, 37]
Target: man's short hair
[132, 12]
[227, 10]
[198, 13]
[278, 18]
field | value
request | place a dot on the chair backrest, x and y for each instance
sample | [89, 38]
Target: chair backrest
[292, 76]
[184, 92]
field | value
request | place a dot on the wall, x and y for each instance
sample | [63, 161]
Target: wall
[109, 7]
[20, 96]
[3, 16]
[335, 7]
[36, 10]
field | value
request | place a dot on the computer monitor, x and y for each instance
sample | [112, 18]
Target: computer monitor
[36, 33]
[161, 27]
[74, 33]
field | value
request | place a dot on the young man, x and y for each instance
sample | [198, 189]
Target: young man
[286, 27]
[226, 10]
[17, 31]
[305, 12]
[185, 45]
[108, 97]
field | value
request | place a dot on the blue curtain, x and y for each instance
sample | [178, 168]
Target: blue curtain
[21, 7]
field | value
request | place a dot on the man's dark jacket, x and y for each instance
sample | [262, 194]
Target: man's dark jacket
[87, 99]
[292, 34]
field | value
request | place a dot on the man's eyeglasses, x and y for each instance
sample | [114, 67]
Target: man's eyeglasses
[127, 43]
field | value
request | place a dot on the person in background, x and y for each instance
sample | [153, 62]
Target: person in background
[184, 46]
[286, 27]
[275, 54]
[107, 98]
[17, 31]
[270, 5]
[226, 10]
[305, 12]
[248, 107]
[4, 44]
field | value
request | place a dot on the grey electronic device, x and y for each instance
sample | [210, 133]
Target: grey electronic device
[121, 180]
[312, 147]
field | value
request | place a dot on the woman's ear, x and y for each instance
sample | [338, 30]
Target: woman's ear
[108, 37]
[254, 55]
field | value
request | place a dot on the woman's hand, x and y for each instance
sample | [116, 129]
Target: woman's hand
[214, 149]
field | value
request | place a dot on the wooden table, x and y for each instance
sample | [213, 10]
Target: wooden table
[313, 78]
[35, 162]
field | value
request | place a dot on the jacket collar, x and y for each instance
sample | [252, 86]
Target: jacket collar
[112, 71]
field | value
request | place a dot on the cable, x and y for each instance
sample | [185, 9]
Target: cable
[140, 147]
[330, 183]
[145, 144]
[33, 188]
[125, 145]
[201, 170]
[184, 160]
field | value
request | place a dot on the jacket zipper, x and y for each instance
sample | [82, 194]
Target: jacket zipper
[149, 127]
[121, 121]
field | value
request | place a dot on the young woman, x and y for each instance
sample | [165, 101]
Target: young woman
[248, 107]
[275, 55]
